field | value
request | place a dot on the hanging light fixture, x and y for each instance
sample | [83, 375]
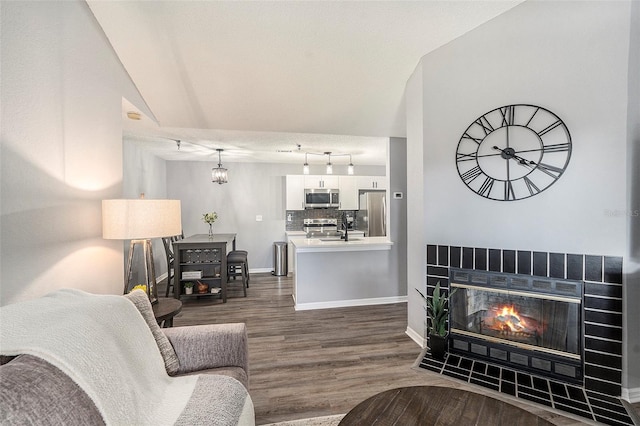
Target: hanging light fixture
[329, 167]
[219, 174]
[305, 166]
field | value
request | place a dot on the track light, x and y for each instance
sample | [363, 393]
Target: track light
[329, 165]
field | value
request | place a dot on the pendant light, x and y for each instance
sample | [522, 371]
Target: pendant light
[329, 165]
[305, 166]
[219, 174]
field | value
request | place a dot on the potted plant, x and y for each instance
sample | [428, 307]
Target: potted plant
[437, 312]
[188, 288]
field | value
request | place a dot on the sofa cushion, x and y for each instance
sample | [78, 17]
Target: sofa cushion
[141, 301]
[34, 392]
[237, 373]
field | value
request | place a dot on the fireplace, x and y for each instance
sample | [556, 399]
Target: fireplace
[511, 364]
[528, 321]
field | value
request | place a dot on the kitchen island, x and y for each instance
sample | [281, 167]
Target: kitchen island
[333, 273]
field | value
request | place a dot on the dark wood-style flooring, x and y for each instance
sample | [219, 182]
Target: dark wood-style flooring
[322, 362]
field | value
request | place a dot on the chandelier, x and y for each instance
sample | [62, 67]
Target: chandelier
[219, 174]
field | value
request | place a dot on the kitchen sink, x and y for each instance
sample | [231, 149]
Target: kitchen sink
[338, 239]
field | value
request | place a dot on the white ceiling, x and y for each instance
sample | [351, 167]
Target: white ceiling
[258, 77]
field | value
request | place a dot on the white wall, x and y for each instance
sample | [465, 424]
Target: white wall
[632, 213]
[144, 173]
[62, 88]
[570, 57]
[416, 239]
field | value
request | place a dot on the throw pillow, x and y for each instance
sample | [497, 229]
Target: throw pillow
[141, 301]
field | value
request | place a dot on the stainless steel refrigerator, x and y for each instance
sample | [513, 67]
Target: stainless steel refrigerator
[371, 218]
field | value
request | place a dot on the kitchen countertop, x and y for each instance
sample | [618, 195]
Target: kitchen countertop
[306, 245]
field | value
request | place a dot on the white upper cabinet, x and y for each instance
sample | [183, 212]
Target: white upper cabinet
[321, 181]
[372, 182]
[295, 192]
[348, 193]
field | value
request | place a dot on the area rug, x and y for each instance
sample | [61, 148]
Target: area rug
[315, 421]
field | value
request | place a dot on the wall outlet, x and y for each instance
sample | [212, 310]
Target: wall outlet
[259, 218]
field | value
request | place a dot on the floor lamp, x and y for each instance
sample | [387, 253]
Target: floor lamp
[141, 220]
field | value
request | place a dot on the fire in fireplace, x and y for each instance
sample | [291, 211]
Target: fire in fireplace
[531, 321]
[508, 322]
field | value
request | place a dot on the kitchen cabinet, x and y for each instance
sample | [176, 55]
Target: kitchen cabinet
[348, 186]
[295, 192]
[321, 181]
[372, 182]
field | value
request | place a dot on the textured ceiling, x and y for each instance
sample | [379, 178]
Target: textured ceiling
[267, 73]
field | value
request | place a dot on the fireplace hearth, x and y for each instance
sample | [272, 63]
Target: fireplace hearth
[578, 373]
[510, 319]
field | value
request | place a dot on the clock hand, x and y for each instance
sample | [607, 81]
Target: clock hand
[509, 153]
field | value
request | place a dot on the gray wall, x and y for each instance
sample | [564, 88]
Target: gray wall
[253, 189]
[61, 154]
[577, 65]
[398, 212]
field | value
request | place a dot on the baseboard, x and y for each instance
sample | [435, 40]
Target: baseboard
[259, 270]
[416, 337]
[631, 395]
[352, 302]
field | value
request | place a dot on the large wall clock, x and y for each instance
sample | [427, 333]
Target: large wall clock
[513, 152]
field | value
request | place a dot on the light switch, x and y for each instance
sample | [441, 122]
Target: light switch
[289, 217]
[259, 218]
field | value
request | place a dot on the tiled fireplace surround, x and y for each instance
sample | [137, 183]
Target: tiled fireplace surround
[597, 398]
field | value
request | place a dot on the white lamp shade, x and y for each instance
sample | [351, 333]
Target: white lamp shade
[140, 219]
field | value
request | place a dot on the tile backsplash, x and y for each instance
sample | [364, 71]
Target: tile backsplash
[298, 216]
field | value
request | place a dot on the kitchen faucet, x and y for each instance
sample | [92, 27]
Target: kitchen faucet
[345, 226]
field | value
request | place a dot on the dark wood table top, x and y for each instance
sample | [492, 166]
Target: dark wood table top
[435, 405]
[166, 308]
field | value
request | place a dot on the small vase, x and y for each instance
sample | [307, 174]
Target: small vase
[188, 290]
[211, 230]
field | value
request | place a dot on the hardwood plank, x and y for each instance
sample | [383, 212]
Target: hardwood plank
[322, 362]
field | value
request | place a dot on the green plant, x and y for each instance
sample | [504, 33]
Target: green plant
[437, 309]
[210, 217]
[188, 285]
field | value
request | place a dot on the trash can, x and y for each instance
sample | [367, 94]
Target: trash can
[280, 259]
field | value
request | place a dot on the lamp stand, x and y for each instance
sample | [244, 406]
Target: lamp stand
[149, 269]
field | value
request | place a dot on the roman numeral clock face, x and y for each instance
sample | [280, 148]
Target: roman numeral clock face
[513, 152]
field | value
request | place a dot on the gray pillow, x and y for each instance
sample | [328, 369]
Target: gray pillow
[141, 301]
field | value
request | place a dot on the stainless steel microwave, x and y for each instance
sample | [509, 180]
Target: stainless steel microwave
[321, 198]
